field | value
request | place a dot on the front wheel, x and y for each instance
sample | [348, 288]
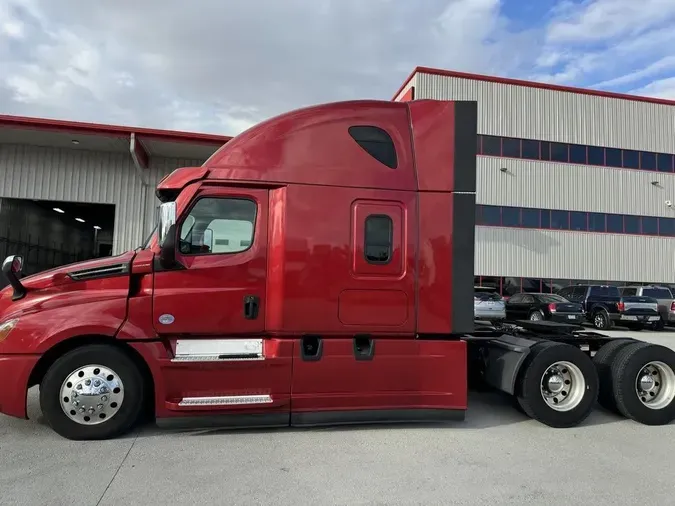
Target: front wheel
[92, 392]
[559, 385]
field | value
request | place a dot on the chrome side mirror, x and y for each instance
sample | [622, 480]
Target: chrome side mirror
[166, 234]
[167, 219]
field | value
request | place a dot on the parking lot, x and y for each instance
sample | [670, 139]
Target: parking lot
[497, 456]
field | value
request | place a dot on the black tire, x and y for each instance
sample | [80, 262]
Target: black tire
[533, 315]
[659, 325]
[104, 355]
[601, 320]
[603, 365]
[541, 357]
[625, 369]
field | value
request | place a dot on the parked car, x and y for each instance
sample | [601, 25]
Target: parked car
[664, 297]
[604, 306]
[544, 306]
[488, 304]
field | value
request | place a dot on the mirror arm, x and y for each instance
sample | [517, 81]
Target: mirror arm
[11, 275]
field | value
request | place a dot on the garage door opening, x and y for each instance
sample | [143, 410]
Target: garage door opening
[51, 233]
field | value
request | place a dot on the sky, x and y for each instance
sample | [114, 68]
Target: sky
[219, 66]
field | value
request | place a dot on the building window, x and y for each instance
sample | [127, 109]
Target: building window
[631, 224]
[647, 161]
[650, 225]
[664, 163]
[560, 152]
[377, 143]
[667, 227]
[530, 149]
[530, 218]
[596, 222]
[492, 146]
[615, 223]
[491, 216]
[218, 226]
[613, 157]
[596, 156]
[511, 216]
[631, 159]
[511, 148]
[379, 236]
[560, 220]
[577, 221]
[545, 150]
[578, 154]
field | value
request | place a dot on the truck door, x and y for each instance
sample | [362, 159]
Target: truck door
[222, 250]
[211, 307]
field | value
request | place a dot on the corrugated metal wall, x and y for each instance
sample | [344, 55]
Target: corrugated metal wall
[525, 112]
[44, 173]
[573, 255]
[551, 185]
[532, 113]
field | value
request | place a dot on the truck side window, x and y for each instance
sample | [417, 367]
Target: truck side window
[218, 226]
[379, 239]
[377, 143]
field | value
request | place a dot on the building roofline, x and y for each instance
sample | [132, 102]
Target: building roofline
[531, 84]
[55, 125]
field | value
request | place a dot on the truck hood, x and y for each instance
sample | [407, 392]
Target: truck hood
[79, 271]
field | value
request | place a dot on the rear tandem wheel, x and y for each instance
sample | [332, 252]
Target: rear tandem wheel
[558, 385]
[643, 383]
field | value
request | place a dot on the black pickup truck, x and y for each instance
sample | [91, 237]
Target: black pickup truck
[604, 306]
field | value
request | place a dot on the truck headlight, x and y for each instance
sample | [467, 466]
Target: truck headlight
[6, 328]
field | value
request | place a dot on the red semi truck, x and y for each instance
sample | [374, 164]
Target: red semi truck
[316, 270]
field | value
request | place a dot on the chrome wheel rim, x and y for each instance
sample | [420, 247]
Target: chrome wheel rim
[535, 316]
[563, 386]
[92, 394]
[655, 385]
[599, 320]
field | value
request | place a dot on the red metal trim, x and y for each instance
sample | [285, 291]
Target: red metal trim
[531, 84]
[75, 127]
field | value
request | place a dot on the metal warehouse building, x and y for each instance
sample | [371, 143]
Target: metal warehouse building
[573, 185]
[71, 191]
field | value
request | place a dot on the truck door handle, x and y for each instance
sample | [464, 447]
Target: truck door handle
[251, 307]
[364, 348]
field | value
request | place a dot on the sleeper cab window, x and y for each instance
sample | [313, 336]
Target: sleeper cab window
[376, 142]
[217, 226]
[378, 241]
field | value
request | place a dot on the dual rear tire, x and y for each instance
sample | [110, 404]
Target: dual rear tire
[637, 380]
[558, 385]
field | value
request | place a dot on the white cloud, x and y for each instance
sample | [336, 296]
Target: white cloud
[226, 65]
[663, 88]
[607, 43]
